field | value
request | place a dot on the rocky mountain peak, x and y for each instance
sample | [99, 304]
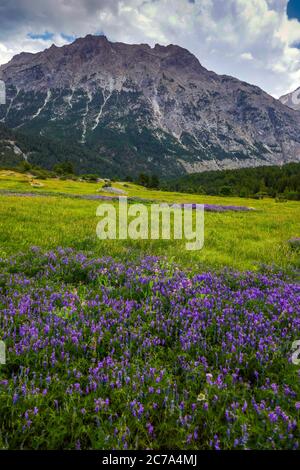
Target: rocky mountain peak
[147, 108]
[292, 99]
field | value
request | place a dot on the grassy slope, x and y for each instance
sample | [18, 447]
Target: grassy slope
[239, 240]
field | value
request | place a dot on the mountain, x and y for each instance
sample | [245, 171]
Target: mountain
[292, 99]
[134, 108]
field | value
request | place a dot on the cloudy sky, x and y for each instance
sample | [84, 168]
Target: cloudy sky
[255, 40]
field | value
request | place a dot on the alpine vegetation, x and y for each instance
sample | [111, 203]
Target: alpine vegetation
[152, 222]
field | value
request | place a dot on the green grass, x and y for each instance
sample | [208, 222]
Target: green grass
[239, 240]
[242, 240]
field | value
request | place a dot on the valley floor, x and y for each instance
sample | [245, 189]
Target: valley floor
[240, 240]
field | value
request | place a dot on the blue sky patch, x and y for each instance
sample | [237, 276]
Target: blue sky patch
[68, 37]
[293, 9]
[44, 36]
[296, 45]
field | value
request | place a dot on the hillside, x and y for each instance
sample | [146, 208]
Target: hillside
[18, 146]
[243, 182]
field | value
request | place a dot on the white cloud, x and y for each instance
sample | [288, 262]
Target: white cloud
[246, 56]
[249, 39]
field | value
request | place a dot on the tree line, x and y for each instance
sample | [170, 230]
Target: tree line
[273, 181]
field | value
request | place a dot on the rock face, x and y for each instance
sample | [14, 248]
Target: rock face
[2, 93]
[146, 109]
[292, 99]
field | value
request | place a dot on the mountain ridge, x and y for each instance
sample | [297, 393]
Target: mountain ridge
[292, 100]
[145, 108]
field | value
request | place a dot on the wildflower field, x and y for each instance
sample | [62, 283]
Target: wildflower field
[141, 345]
[118, 355]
